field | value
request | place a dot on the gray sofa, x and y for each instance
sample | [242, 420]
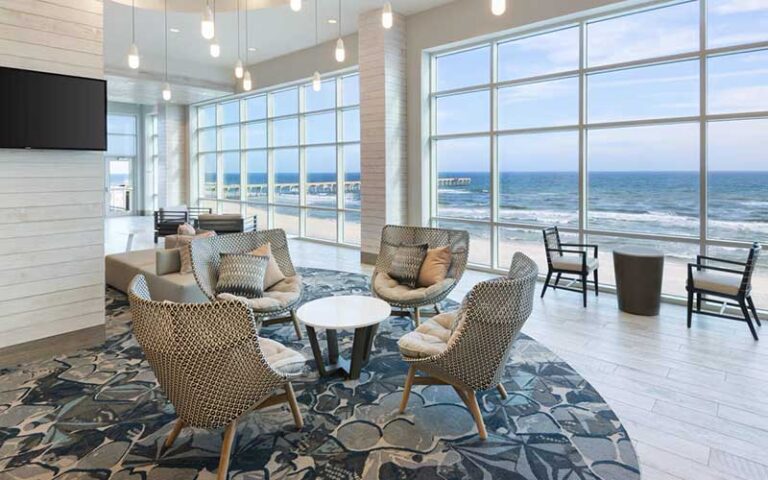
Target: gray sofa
[160, 268]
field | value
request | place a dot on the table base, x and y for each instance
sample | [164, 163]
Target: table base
[349, 367]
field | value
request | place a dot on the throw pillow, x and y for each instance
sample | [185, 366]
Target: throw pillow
[185, 229]
[242, 275]
[435, 266]
[406, 264]
[185, 250]
[274, 275]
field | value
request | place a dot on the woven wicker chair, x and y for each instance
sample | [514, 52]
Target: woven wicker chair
[211, 363]
[206, 257]
[392, 236]
[473, 356]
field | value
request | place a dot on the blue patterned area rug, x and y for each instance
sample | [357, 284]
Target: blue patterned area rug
[99, 414]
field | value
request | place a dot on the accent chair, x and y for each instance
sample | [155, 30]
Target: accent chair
[571, 260]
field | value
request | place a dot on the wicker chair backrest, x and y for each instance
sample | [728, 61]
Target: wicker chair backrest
[392, 236]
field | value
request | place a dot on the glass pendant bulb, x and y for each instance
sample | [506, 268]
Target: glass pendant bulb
[239, 69]
[498, 7]
[207, 27]
[215, 48]
[167, 92]
[247, 82]
[341, 54]
[295, 5]
[387, 19]
[133, 57]
[317, 82]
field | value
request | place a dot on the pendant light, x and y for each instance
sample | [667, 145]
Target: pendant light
[296, 5]
[207, 26]
[387, 19]
[133, 51]
[247, 80]
[316, 82]
[239, 63]
[166, 85]
[341, 54]
[214, 49]
[498, 7]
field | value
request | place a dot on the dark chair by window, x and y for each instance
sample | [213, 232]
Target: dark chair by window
[569, 259]
[167, 220]
[734, 283]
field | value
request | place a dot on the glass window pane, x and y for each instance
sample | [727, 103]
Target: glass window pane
[479, 239]
[539, 178]
[286, 176]
[208, 175]
[256, 108]
[231, 162]
[463, 172]
[652, 33]
[645, 179]
[324, 99]
[206, 140]
[287, 218]
[125, 124]
[256, 165]
[206, 116]
[738, 180]
[350, 90]
[530, 242]
[121, 145]
[256, 135]
[543, 104]
[229, 113]
[351, 154]
[738, 82]
[731, 22]
[120, 174]
[467, 112]
[285, 132]
[539, 54]
[261, 213]
[658, 91]
[350, 120]
[229, 138]
[352, 228]
[321, 224]
[285, 102]
[320, 128]
[463, 69]
[321, 176]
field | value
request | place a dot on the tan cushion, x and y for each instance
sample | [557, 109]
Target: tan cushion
[281, 358]
[390, 290]
[274, 274]
[282, 294]
[430, 338]
[435, 267]
[727, 284]
[185, 229]
[167, 261]
[219, 216]
[572, 262]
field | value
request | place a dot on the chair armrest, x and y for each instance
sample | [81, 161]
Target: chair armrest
[699, 258]
[582, 245]
[717, 269]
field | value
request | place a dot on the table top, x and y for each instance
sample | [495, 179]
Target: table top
[345, 312]
[638, 252]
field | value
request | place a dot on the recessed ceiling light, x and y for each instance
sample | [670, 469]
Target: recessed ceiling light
[175, 30]
[332, 21]
[251, 49]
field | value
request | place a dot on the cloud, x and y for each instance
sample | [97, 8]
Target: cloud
[737, 6]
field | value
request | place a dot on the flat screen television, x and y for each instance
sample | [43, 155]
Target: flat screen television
[50, 111]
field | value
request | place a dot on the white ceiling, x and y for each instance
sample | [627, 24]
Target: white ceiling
[273, 31]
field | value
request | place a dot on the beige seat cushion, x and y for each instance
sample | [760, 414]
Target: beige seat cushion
[572, 262]
[273, 275]
[435, 267]
[281, 358]
[727, 284]
[282, 294]
[430, 338]
[387, 288]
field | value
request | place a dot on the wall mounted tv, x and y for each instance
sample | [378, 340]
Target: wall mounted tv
[49, 111]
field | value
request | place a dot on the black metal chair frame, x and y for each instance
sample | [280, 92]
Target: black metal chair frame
[743, 297]
[167, 221]
[577, 248]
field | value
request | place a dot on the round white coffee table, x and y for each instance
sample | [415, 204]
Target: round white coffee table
[349, 312]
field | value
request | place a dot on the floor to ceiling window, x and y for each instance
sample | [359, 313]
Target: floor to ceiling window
[280, 155]
[121, 161]
[644, 127]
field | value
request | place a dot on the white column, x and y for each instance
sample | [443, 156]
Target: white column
[172, 155]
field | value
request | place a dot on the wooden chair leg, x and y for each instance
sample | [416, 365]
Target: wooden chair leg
[557, 279]
[584, 289]
[597, 290]
[407, 388]
[226, 450]
[690, 307]
[474, 408]
[294, 406]
[747, 318]
[417, 316]
[173, 435]
[546, 283]
[296, 324]
[754, 311]
[502, 391]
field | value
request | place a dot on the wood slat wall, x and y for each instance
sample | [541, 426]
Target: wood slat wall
[51, 202]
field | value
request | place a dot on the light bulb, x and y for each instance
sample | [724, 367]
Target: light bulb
[247, 82]
[133, 56]
[239, 69]
[207, 27]
[386, 16]
[295, 5]
[215, 49]
[316, 82]
[498, 7]
[341, 54]
[167, 92]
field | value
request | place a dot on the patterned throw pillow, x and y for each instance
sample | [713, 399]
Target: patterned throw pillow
[406, 263]
[242, 275]
[185, 229]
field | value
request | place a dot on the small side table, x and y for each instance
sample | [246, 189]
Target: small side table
[347, 312]
[639, 273]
